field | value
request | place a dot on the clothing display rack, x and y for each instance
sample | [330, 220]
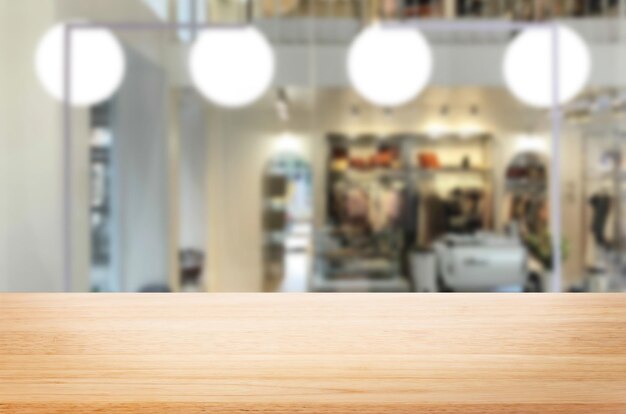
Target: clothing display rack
[389, 195]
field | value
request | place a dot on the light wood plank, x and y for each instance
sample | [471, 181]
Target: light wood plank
[313, 353]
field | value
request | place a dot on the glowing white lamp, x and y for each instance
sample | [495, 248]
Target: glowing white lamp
[287, 144]
[528, 65]
[232, 67]
[97, 65]
[389, 66]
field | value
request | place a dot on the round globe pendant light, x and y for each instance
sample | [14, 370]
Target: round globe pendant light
[97, 64]
[232, 67]
[389, 66]
[529, 71]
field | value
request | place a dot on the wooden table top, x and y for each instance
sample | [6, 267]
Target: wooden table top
[313, 353]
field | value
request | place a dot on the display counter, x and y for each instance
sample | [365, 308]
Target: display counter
[313, 353]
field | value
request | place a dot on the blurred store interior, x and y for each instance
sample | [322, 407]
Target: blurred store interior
[313, 186]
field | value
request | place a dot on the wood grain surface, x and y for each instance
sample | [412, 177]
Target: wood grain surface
[313, 353]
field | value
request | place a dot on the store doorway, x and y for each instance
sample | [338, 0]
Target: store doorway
[287, 222]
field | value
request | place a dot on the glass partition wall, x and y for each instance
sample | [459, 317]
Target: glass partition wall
[312, 187]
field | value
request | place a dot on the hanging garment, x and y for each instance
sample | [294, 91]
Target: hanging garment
[601, 206]
[409, 220]
[594, 6]
[357, 203]
[435, 218]
[384, 207]
[487, 211]
[336, 201]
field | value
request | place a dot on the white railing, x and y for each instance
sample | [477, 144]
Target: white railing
[317, 30]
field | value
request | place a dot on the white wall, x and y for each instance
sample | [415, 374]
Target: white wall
[4, 156]
[141, 194]
[160, 7]
[4, 45]
[31, 150]
[30, 138]
[193, 170]
[240, 144]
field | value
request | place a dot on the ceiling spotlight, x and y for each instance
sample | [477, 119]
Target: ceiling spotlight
[96, 69]
[528, 65]
[389, 66]
[232, 67]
